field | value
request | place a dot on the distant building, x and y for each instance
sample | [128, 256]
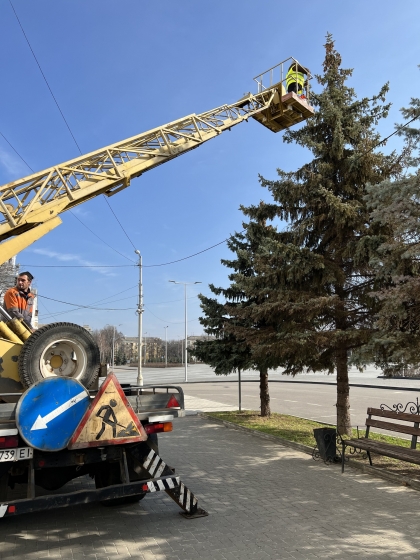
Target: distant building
[153, 349]
[131, 347]
[88, 328]
[191, 340]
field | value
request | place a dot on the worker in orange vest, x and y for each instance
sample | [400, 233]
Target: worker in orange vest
[19, 301]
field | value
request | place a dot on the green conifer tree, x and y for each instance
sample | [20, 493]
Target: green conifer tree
[312, 280]
[395, 205]
[229, 352]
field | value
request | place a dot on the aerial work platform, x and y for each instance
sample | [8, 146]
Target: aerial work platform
[286, 109]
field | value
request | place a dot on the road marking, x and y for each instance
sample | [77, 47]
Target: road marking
[286, 400]
[41, 422]
[313, 404]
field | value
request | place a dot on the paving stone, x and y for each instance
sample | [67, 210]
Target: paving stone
[265, 502]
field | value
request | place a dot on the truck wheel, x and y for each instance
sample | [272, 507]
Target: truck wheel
[110, 474]
[59, 350]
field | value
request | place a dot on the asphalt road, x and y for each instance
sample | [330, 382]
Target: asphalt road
[309, 396]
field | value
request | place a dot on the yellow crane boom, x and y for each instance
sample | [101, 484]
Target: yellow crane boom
[30, 207]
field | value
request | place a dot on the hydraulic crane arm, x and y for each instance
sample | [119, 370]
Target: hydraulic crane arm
[30, 207]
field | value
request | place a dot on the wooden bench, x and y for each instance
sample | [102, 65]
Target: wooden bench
[403, 423]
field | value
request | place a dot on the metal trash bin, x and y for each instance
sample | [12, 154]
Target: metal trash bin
[327, 443]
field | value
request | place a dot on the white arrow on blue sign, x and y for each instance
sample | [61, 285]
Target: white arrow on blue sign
[49, 412]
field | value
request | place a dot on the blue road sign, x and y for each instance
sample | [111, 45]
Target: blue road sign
[48, 413]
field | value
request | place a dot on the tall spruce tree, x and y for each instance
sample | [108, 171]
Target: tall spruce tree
[395, 205]
[312, 282]
[230, 352]
[224, 352]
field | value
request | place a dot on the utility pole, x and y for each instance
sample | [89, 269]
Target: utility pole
[140, 314]
[113, 349]
[186, 336]
[166, 345]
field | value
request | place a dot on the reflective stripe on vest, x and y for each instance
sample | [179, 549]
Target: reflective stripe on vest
[293, 77]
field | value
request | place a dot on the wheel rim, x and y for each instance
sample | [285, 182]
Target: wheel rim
[63, 358]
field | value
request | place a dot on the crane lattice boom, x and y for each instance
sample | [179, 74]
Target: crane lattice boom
[29, 207]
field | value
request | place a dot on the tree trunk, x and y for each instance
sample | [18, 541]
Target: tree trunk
[264, 394]
[343, 394]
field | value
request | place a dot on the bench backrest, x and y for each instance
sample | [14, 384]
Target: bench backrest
[406, 423]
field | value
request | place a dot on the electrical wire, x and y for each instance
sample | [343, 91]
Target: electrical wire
[86, 306]
[93, 303]
[171, 322]
[79, 265]
[16, 152]
[79, 306]
[100, 239]
[65, 120]
[381, 142]
[125, 265]
[115, 216]
[72, 213]
[45, 79]
[190, 256]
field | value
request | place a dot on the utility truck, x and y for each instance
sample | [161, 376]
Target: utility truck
[56, 422]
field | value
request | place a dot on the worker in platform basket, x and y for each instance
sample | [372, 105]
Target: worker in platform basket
[295, 78]
[19, 301]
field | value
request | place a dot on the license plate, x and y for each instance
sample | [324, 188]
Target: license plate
[16, 454]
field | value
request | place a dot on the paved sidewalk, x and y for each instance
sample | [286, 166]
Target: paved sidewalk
[265, 501]
[193, 405]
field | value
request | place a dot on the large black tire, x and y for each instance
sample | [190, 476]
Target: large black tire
[59, 350]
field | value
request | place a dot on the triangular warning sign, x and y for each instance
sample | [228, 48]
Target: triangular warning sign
[109, 420]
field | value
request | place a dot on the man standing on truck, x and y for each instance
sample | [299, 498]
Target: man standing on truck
[19, 301]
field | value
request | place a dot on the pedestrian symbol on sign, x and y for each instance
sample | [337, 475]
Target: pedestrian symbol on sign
[109, 419]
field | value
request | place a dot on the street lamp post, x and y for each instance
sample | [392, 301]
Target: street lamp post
[185, 348]
[166, 345]
[145, 349]
[113, 347]
[140, 317]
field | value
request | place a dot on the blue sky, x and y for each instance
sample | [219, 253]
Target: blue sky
[118, 68]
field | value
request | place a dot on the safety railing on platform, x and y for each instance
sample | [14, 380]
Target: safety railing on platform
[288, 73]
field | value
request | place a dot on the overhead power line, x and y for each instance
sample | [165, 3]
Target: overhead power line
[45, 79]
[79, 265]
[93, 303]
[72, 213]
[80, 306]
[87, 306]
[100, 239]
[171, 322]
[16, 152]
[124, 265]
[121, 226]
[64, 119]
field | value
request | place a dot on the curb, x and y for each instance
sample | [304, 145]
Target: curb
[364, 469]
